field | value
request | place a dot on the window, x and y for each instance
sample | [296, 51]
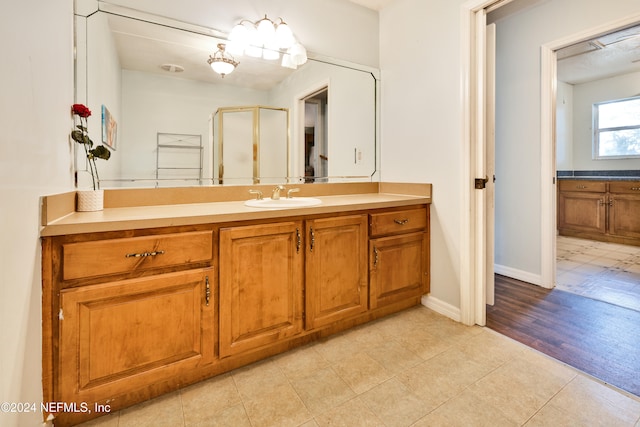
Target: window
[616, 129]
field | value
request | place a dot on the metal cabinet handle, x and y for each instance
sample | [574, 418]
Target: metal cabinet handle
[581, 187]
[635, 188]
[312, 235]
[298, 240]
[375, 256]
[207, 290]
[144, 254]
[401, 221]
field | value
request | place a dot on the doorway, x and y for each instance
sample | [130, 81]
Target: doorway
[316, 159]
[596, 70]
[473, 286]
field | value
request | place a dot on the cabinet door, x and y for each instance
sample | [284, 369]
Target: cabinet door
[336, 269]
[582, 212]
[624, 215]
[260, 285]
[398, 268]
[121, 336]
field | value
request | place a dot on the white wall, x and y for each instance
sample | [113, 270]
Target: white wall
[421, 125]
[587, 94]
[421, 119]
[564, 127]
[153, 103]
[518, 164]
[36, 40]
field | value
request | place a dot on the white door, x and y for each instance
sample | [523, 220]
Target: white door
[490, 164]
[484, 167]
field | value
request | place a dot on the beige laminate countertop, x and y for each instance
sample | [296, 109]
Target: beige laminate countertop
[136, 217]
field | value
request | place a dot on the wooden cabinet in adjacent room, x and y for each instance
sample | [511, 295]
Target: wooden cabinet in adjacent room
[600, 210]
[624, 211]
[582, 206]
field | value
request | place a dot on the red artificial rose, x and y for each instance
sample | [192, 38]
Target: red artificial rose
[81, 110]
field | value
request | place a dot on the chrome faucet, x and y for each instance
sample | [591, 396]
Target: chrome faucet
[276, 192]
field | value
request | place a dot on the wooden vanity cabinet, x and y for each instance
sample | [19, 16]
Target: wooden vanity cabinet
[336, 269]
[398, 256]
[129, 315]
[261, 285]
[124, 312]
[119, 336]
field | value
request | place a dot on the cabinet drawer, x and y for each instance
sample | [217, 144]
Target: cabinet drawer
[583, 185]
[398, 222]
[625, 187]
[104, 257]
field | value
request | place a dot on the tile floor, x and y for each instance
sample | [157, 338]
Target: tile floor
[414, 368]
[604, 271]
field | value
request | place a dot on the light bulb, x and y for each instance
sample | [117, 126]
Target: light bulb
[298, 54]
[266, 30]
[284, 36]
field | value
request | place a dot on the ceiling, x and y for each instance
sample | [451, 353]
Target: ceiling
[161, 49]
[605, 56]
[148, 47]
[372, 4]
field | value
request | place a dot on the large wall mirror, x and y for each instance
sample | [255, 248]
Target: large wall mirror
[147, 81]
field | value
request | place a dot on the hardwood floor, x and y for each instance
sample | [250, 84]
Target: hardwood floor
[595, 337]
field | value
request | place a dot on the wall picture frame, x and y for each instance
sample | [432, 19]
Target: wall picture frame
[109, 129]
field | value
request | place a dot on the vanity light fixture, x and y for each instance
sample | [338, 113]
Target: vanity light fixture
[221, 62]
[265, 38]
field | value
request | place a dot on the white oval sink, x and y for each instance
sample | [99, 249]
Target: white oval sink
[293, 202]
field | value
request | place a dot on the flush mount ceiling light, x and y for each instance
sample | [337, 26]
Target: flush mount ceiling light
[265, 38]
[221, 62]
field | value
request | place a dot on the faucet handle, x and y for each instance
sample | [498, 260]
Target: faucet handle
[258, 194]
[292, 190]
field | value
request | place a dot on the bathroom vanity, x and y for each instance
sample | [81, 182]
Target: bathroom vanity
[604, 210]
[143, 298]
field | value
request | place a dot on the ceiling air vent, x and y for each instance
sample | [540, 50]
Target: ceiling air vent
[172, 68]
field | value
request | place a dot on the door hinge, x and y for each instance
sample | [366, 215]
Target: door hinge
[481, 183]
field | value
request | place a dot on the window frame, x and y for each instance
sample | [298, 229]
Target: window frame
[597, 130]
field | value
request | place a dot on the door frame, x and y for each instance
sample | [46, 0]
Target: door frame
[473, 270]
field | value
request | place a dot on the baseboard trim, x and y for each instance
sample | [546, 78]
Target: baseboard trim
[514, 273]
[442, 307]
